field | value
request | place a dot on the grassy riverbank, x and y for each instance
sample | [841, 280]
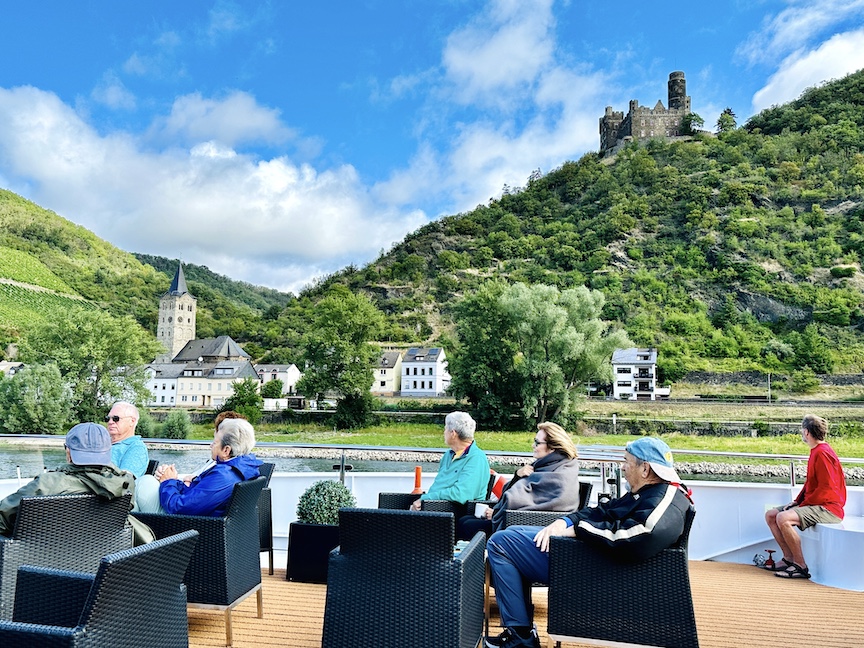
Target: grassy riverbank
[414, 435]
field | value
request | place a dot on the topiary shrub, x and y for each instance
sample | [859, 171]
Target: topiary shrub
[320, 503]
[146, 425]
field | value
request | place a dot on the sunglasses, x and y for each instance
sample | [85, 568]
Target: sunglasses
[114, 418]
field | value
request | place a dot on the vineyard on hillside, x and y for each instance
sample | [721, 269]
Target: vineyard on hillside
[19, 304]
[23, 267]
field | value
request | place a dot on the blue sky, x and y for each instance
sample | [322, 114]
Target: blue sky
[276, 142]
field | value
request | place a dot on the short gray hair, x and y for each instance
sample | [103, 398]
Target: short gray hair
[130, 408]
[239, 435]
[462, 424]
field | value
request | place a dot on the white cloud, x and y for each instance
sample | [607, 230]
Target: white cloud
[840, 55]
[234, 119]
[263, 221]
[501, 49]
[112, 93]
[796, 26]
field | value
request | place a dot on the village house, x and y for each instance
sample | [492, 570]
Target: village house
[388, 374]
[634, 375]
[424, 372]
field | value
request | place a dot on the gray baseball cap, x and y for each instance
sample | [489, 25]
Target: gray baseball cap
[89, 444]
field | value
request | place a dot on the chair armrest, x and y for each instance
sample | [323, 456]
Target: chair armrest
[50, 596]
[474, 551]
[25, 634]
[532, 518]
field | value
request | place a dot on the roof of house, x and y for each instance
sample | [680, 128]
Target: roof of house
[634, 356]
[420, 354]
[266, 368]
[222, 347]
[388, 359]
[174, 370]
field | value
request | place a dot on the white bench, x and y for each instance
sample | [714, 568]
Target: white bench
[835, 553]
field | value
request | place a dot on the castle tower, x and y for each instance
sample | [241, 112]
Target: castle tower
[678, 99]
[176, 323]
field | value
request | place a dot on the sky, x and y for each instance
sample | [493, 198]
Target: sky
[277, 142]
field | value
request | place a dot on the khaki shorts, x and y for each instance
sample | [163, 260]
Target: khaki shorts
[809, 516]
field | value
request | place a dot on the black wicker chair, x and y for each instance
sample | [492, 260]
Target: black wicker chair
[265, 513]
[136, 600]
[226, 566]
[587, 598]
[395, 578]
[64, 532]
[152, 465]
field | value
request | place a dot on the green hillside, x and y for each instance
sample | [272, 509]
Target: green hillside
[740, 250]
[727, 252]
[38, 248]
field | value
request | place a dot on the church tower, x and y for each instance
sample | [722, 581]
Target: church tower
[176, 324]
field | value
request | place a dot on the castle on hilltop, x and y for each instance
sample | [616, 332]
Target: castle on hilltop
[644, 123]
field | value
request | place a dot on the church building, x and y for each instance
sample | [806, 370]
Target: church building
[192, 372]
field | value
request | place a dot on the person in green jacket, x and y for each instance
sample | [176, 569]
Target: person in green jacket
[463, 474]
[88, 471]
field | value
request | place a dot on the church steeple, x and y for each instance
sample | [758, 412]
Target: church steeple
[177, 310]
[178, 286]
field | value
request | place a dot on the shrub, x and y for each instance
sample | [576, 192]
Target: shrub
[177, 425]
[839, 272]
[146, 425]
[320, 503]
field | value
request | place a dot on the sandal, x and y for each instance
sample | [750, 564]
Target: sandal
[779, 566]
[793, 571]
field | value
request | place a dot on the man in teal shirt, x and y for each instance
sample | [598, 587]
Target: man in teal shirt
[128, 451]
[463, 474]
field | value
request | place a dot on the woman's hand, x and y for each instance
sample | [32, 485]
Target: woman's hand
[488, 512]
[168, 471]
[524, 471]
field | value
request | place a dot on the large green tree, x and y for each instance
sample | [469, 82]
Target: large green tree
[482, 366]
[337, 354]
[34, 401]
[554, 343]
[246, 399]
[102, 358]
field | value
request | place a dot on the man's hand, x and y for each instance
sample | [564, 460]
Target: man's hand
[415, 505]
[167, 472]
[557, 528]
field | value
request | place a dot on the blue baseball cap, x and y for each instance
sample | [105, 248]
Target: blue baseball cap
[89, 445]
[657, 454]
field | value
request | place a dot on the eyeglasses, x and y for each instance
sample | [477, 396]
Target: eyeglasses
[114, 418]
[536, 443]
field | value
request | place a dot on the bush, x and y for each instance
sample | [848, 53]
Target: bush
[355, 411]
[146, 425]
[839, 272]
[177, 425]
[320, 503]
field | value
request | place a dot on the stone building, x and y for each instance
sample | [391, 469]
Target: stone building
[176, 324]
[644, 123]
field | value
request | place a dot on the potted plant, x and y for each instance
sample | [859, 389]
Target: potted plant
[316, 532]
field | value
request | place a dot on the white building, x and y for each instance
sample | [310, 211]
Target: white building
[10, 368]
[634, 375]
[288, 374]
[388, 374]
[424, 372]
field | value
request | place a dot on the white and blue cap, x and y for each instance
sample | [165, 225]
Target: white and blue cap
[657, 454]
[89, 445]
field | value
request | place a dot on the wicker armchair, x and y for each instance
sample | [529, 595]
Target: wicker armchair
[265, 513]
[397, 564]
[136, 600]
[64, 532]
[587, 602]
[226, 565]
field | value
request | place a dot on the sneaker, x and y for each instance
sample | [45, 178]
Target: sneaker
[508, 639]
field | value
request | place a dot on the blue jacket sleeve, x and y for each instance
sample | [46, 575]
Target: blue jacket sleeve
[206, 495]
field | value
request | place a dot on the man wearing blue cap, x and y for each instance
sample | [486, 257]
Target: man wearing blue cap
[88, 471]
[635, 527]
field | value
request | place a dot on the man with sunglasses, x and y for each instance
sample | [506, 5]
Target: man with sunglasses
[127, 449]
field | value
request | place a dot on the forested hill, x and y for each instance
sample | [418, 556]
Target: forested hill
[48, 263]
[728, 251]
[740, 250]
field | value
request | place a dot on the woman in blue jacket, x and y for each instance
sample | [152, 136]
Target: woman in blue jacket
[208, 492]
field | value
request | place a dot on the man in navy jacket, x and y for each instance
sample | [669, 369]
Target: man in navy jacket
[634, 527]
[207, 493]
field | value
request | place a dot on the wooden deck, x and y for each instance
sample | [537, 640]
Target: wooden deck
[737, 606]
